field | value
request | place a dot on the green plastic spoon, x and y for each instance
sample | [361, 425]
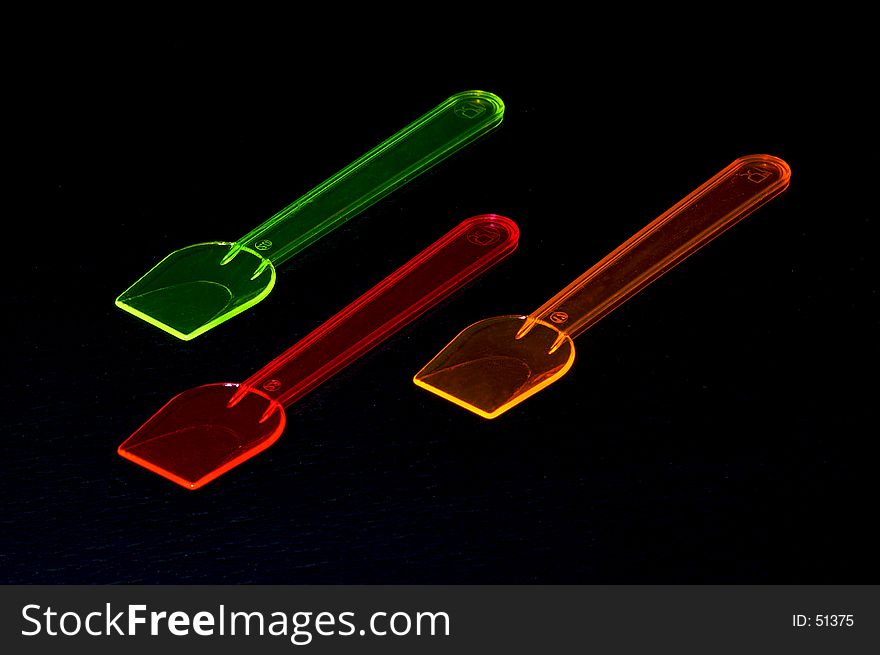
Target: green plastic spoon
[198, 287]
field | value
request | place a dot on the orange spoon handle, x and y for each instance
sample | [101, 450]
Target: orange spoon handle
[706, 212]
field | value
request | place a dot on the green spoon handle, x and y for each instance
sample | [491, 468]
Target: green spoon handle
[449, 127]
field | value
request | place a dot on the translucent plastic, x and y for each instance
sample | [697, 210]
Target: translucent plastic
[499, 362]
[204, 432]
[196, 288]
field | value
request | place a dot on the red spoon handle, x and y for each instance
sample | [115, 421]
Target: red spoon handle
[448, 264]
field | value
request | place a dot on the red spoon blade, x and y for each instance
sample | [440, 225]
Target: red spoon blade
[197, 436]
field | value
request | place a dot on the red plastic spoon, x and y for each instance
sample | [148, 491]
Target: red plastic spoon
[202, 433]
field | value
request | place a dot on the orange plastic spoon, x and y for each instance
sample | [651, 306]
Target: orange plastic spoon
[499, 362]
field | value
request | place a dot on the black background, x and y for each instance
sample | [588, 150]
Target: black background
[717, 428]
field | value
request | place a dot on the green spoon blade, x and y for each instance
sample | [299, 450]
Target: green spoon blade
[196, 288]
[192, 289]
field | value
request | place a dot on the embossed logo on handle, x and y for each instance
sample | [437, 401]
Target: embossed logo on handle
[484, 235]
[755, 175]
[468, 109]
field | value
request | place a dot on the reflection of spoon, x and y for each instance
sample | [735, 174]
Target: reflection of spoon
[198, 287]
[202, 433]
[499, 362]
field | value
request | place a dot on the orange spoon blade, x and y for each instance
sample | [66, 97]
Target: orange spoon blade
[487, 370]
